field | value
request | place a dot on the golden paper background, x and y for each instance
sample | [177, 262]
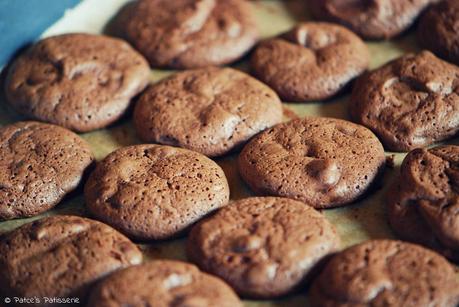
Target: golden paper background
[355, 223]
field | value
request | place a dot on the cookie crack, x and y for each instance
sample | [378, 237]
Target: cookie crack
[16, 135]
[69, 239]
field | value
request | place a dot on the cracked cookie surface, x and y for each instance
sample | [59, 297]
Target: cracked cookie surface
[212, 110]
[189, 33]
[155, 192]
[79, 81]
[313, 61]
[371, 19]
[61, 256]
[264, 247]
[423, 204]
[40, 164]
[386, 273]
[410, 102]
[163, 283]
[324, 162]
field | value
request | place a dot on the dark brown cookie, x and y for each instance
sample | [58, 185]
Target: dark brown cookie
[324, 162]
[79, 81]
[155, 192]
[39, 165]
[438, 30]
[264, 247]
[386, 273]
[410, 102]
[371, 19]
[424, 201]
[209, 110]
[189, 33]
[313, 61]
[163, 283]
[61, 256]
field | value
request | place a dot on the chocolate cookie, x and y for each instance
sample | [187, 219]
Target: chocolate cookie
[324, 162]
[40, 164]
[438, 30]
[375, 19]
[210, 110]
[410, 102]
[189, 33]
[79, 81]
[61, 256]
[313, 61]
[155, 192]
[386, 273]
[264, 247]
[424, 202]
[163, 283]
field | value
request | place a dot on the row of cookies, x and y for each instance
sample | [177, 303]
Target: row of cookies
[262, 247]
[213, 32]
[410, 102]
[58, 260]
[324, 162]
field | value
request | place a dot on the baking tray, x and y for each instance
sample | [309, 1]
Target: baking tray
[355, 223]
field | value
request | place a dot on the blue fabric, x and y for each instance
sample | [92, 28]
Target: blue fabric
[23, 21]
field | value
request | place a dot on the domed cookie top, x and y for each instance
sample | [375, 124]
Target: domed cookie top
[386, 273]
[210, 110]
[424, 202]
[372, 19]
[438, 30]
[61, 256]
[39, 165]
[79, 81]
[155, 192]
[324, 162]
[410, 102]
[263, 247]
[313, 61]
[163, 283]
[189, 33]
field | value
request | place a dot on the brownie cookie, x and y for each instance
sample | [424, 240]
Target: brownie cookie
[163, 283]
[410, 102]
[324, 162]
[264, 247]
[438, 30]
[61, 256]
[313, 61]
[189, 33]
[79, 81]
[374, 19]
[210, 110]
[424, 202]
[39, 165]
[386, 273]
[155, 192]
